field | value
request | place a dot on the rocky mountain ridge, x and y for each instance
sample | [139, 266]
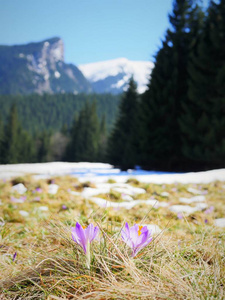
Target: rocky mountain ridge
[39, 68]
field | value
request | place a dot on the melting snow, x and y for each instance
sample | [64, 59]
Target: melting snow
[165, 194]
[126, 197]
[127, 205]
[195, 191]
[192, 200]
[107, 172]
[43, 208]
[53, 189]
[24, 213]
[183, 208]
[19, 188]
[74, 193]
[17, 200]
[89, 192]
[220, 222]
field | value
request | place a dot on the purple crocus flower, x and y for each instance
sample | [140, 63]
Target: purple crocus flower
[136, 237]
[38, 190]
[64, 207]
[37, 199]
[209, 210]
[84, 236]
[17, 200]
[14, 256]
[180, 216]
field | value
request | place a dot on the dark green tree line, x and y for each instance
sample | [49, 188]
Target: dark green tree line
[123, 143]
[87, 137]
[203, 122]
[162, 102]
[181, 115]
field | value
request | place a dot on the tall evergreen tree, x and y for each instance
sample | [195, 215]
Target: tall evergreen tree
[203, 122]
[84, 135]
[11, 140]
[26, 147]
[162, 102]
[102, 140]
[43, 143]
[123, 144]
[155, 113]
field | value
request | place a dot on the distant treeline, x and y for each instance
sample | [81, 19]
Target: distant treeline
[178, 124]
[84, 140]
[39, 113]
[38, 128]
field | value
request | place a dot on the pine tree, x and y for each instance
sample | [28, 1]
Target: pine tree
[123, 144]
[11, 140]
[84, 135]
[102, 140]
[26, 147]
[203, 122]
[43, 146]
[155, 114]
[161, 105]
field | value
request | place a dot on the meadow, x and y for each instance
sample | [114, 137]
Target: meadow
[39, 259]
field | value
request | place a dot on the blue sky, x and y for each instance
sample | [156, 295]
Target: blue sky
[92, 30]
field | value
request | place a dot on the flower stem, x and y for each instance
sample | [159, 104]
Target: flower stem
[88, 256]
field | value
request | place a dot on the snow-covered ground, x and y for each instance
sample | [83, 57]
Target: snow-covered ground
[99, 172]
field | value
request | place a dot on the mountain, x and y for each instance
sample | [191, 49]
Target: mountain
[39, 68]
[112, 76]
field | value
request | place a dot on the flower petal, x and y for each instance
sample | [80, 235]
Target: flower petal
[96, 230]
[89, 232]
[81, 236]
[74, 235]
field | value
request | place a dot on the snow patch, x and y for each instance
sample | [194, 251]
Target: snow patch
[57, 74]
[19, 188]
[195, 191]
[24, 213]
[46, 170]
[220, 222]
[140, 70]
[127, 205]
[43, 208]
[53, 189]
[192, 200]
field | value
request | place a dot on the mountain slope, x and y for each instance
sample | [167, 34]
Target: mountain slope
[39, 68]
[112, 76]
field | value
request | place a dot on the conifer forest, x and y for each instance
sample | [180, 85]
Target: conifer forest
[178, 124]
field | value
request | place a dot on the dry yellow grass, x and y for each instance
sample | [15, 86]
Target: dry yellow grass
[185, 261]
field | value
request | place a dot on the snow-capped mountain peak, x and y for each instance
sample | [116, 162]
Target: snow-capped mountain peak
[112, 76]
